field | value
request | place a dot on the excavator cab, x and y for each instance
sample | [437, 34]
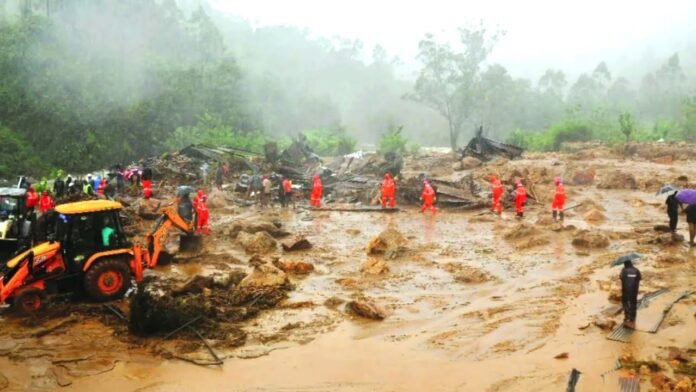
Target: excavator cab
[15, 221]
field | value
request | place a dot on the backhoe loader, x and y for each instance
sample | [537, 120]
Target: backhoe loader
[89, 253]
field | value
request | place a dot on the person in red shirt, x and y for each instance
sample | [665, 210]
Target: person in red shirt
[497, 187]
[286, 193]
[200, 195]
[32, 199]
[46, 202]
[202, 215]
[559, 199]
[317, 191]
[428, 196]
[520, 199]
[388, 191]
[101, 190]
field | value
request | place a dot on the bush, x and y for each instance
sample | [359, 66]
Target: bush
[552, 138]
[330, 142]
[393, 140]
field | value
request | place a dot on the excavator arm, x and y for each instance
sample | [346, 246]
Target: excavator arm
[158, 237]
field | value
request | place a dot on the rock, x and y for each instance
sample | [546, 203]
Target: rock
[469, 163]
[295, 267]
[617, 180]
[467, 274]
[665, 160]
[605, 324]
[373, 266]
[561, 356]
[4, 383]
[583, 177]
[615, 296]
[588, 239]
[264, 276]
[149, 208]
[662, 228]
[545, 220]
[660, 381]
[296, 244]
[217, 199]
[457, 166]
[671, 259]
[594, 215]
[665, 239]
[684, 385]
[366, 309]
[258, 243]
[678, 354]
[519, 231]
[389, 243]
[333, 302]
[255, 226]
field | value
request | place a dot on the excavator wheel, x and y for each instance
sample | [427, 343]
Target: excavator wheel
[108, 279]
[29, 301]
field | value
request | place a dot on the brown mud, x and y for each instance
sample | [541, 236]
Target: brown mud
[467, 301]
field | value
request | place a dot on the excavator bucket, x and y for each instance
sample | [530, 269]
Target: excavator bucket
[190, 243]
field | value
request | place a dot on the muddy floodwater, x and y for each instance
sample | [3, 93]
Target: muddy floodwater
[473, 302]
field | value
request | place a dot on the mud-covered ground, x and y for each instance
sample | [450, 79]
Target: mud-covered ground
[471, 302]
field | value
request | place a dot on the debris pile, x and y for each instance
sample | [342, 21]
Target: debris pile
[486, 149]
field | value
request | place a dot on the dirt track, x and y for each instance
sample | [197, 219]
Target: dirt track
[473, 303]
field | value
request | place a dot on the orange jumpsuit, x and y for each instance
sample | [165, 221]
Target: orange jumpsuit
[147, 188]
[497, 194]
[559, 198]
[520, 199]
[388, 191]
[202, 216]
[428, 197]
[317, 191]
[32, 198]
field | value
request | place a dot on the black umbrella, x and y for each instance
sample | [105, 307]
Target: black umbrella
[666, 189]
[627, 257]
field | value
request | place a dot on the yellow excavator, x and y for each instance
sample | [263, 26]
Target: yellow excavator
[88, 251]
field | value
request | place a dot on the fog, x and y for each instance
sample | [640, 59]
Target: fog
[108, 80]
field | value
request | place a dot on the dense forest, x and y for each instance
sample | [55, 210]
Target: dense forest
[86, 84]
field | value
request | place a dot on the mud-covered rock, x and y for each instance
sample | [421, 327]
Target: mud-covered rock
[390, 243]
[334, 302]
[664, 239]
[217, 199]
[295, 267]
[583, 177]
[374, 266]
[264, 276]
[604, 324]
[467, 274]
[525, 236]
[254, 226]
[589, 239]
[469, 163]
[594, 215]
[617, 180]
[258, 243]
[366, 309]
[4, 383]
[296, 244]
[457, 166]
[149, 208]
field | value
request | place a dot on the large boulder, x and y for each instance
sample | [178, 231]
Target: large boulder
[374, 266]
[366, 309]
[265, 275]
[390, 243]
[617, 180]
[217, 199]
[590, 239]
[469, 163]
[257, 243]
[149, 208]
[594, 215]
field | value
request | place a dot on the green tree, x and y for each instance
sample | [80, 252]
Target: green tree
[627, 125]
[449, 79]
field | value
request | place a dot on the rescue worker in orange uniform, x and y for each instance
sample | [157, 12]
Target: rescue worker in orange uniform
[200, 195]
[317, 191]
[388, 191]
[520, 199]
[32, 199]
[202, 214]
[559, 199]
[46, 202]
[497, 187]
[428, 197]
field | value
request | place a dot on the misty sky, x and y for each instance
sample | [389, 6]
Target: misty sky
[571, 35]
